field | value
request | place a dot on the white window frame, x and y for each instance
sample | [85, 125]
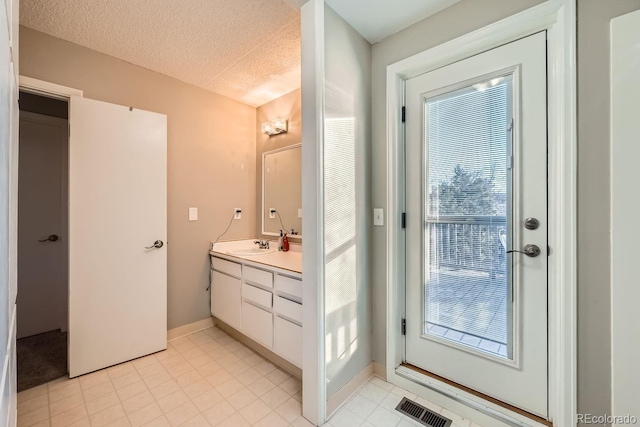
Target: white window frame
[557, 17]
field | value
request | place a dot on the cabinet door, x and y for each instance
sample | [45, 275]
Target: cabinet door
[257, 324]
[226, 299]
[288, 341]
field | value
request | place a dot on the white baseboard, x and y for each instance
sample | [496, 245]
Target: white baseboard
[380, 371]
[190, 328]
[340, 397]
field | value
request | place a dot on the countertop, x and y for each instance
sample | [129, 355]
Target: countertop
[291, 260]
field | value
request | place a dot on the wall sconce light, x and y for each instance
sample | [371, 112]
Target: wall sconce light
[274, 127]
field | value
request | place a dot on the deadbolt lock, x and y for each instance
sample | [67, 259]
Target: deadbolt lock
[531, 223]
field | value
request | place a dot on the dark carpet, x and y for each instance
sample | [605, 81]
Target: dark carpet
[41, 358]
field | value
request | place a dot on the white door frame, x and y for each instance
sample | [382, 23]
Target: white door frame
[557, 17]
[50, 90]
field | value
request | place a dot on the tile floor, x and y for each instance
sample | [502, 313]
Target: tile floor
[374, 406]
[206, 379]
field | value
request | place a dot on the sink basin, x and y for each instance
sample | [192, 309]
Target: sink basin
[250, 251]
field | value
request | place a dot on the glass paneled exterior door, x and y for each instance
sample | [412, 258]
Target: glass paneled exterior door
[476, 165]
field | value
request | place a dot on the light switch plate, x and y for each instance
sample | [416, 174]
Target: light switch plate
[193, 214]
[378, 216]
[299, 213]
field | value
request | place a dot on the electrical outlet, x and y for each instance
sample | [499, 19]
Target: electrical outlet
[237, 213]
[272, 213]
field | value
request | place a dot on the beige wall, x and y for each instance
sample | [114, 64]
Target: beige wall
[288, 107]
[211, 154]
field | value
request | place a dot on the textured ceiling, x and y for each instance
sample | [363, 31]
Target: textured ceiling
[248, 50]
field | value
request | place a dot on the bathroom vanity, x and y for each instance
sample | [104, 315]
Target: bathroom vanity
[260, 294]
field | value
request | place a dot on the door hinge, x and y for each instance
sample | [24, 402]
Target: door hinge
[404, 220]
[404, 327]
[404, 113]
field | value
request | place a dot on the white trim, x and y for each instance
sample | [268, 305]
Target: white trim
[558, 18]
[562, 131]
[264, 158]
[380, 371]
[314, 387]
[459, 401]
[51, 90]
[343, 395]
[189, 328]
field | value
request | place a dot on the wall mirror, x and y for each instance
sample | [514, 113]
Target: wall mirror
[282, 191]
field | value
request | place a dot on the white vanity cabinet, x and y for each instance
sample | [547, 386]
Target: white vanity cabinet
[226, 285]
[262, 301]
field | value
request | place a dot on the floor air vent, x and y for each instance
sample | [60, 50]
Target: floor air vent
[421, 414]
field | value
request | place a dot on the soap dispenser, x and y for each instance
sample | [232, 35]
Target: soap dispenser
[280, 239]
[285, 243]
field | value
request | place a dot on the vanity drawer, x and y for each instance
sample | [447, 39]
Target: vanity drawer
[228, 267]
[257, 295]
[288, 341]
[258, 324]
[257, 276]
[287, 308]
[289, 285]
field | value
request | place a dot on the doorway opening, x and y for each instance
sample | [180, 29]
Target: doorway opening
[43, 259]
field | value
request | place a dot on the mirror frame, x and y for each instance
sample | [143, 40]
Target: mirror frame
[262, 211]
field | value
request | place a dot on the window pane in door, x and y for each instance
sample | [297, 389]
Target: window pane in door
[467, 216]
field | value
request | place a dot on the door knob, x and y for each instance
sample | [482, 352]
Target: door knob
[531, 251]
[51, 238]
[156, 245]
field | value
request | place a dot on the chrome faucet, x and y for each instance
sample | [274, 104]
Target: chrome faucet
[262, 244]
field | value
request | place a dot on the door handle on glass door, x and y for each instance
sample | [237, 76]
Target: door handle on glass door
[51, 238]
[156, 245]
[529, 250]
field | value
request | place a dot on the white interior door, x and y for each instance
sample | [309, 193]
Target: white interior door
[42, 230]
[117, 209]
[476, 171]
